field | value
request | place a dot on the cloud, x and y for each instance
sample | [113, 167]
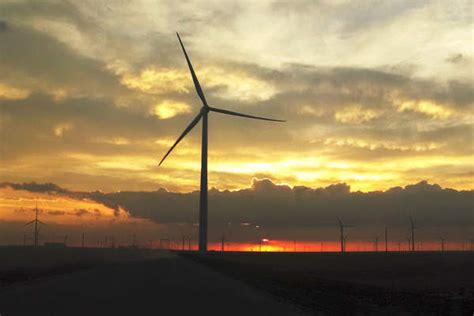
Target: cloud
[3, 26]
[456, 59]
[282, 210]
[86, 107]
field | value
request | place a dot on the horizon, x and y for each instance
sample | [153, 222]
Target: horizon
[164, 214]
[375, 132]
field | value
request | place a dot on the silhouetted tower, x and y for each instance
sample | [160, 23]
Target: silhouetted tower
[412, 227]
[343, 238]
[203, 115]
[345, 242]
[376, 244]
[441, 239]
[36, 221]
[386, 239]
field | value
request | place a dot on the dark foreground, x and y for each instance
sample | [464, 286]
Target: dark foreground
[420, 283]
[121, 282]
[73, 281]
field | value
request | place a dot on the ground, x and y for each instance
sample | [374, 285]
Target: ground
[427, 283]
[123, 282]
[74, 281]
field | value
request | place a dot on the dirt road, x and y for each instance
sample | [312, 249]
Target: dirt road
[168, 285]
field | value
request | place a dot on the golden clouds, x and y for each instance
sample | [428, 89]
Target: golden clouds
[229, 83]
[167, 109]
[18, 205]
[429, 108]
[12, 93]
[382, 144]
[238, 85]
[60, 129]
[356, 114]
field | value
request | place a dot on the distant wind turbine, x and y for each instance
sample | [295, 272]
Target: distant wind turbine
[343, 238]
[36, 221]
[441, 239]
[205, 109]
[412, 228]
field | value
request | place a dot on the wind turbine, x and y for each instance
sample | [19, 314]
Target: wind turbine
[412, 227]
[36, 221]
[376, 243]
[343, 238]
[441, 239]
[203, 113]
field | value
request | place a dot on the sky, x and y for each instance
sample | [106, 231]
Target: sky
[376, 95]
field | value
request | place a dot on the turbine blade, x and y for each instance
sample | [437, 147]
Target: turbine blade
[185, 132]
[243, 115]
[42, 223]
[29, 223]
[197, 85]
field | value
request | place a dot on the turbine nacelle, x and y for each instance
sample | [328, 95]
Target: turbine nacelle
[205, 109]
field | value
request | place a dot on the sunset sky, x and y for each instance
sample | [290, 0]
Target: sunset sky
[376, 94]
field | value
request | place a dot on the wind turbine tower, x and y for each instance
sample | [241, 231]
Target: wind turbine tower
[343, 237]
[203, 114]
[412, 227]
[36, 221]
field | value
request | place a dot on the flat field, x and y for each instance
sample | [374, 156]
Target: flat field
[366, 283]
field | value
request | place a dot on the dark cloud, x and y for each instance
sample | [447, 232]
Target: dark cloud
[283, 211]
[34, 187]
[56, 213]
[456, 59]
[3, 26]
[51, 65]
[81, 212]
